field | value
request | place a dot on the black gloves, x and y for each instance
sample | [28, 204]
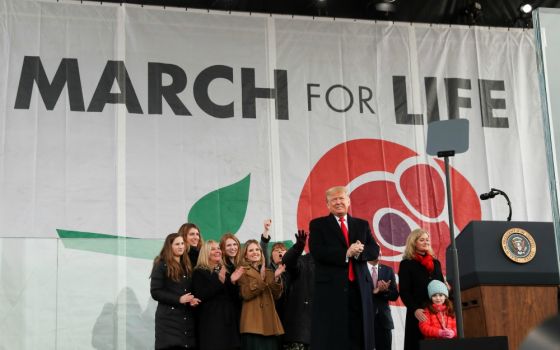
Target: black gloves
[301, 237]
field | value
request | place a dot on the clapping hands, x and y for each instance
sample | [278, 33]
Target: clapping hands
[236, 275]
[355, 249]
[279, 271]
[382, 286]
[263, 272]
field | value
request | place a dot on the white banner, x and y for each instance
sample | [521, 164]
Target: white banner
[127, 121]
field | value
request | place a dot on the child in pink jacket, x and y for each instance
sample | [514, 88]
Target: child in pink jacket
[440, 322]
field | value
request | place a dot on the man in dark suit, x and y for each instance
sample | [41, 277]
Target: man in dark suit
[341, 246]
[385, 290]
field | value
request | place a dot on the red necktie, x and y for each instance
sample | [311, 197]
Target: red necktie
[345, 233]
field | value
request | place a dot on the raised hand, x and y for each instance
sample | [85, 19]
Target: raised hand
[301, 237]
[266, 226]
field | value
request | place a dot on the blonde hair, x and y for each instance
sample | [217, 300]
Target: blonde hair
[410, 246]
[204, 255]
[243, 259]
[334, 190]
[223, 240]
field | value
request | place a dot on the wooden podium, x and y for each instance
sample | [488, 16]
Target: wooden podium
[502, 297]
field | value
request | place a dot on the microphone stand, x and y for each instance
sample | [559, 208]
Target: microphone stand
[455, 258]
[445, 139]
[500, 192]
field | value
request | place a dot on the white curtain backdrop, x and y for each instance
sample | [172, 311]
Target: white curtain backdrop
[127, 121]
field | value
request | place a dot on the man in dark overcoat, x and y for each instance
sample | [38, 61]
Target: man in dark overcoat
[342, 316]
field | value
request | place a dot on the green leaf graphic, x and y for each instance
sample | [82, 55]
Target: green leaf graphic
[222, 210]
[110, 244]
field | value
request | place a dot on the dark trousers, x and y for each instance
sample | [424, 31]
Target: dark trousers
[412, 334]
[383, 337]
[356, 326]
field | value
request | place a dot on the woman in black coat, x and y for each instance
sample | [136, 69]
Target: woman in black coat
[218, 320]
[193, 240]
[230, 247]
[416, 270]
[171, 288]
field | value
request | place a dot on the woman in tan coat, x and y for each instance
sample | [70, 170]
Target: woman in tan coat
[260, 325]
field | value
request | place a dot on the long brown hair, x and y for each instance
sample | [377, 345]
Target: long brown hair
[174, 269]
[243, 260]
[184, 229]
[225, 237]
[447, 303]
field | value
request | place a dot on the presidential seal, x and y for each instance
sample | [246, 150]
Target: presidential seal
[519, 245]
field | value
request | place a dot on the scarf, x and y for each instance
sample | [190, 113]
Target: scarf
[426, 260]
[441, 315]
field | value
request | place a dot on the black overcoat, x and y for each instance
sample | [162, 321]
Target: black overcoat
[218, 321]
[413, 288]
[193, 255]
[174, 321]
[298, 298]
[330, 314]
[234, 290]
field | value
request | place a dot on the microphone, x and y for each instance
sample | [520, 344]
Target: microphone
[493, 193]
